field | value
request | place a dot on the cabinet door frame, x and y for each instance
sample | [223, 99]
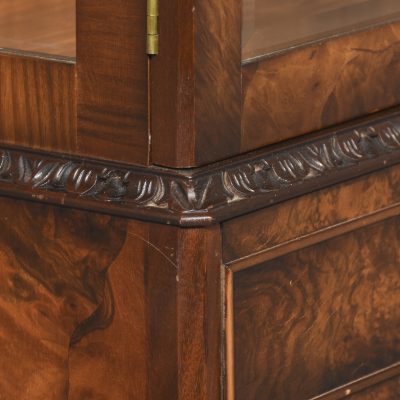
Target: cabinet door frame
[207, 105]
[94, 105]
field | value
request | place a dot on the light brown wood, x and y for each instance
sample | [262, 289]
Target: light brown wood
[270, 25]
[45, 26]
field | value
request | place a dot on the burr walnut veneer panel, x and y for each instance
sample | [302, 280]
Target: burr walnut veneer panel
[53, 291]
[320, 85]
[93, 306]
[319, 317]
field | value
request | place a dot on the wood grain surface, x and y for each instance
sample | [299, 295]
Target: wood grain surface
[45, 26]
[320, 317]
[183, 272]
[196, 83]
[112, 363]
[320, 85]
[164, 341]
[37, 106]
[298, 219]
[277, 24]
[54, 264]
[112, 80]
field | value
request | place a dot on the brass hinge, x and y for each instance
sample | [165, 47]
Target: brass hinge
[152, 27]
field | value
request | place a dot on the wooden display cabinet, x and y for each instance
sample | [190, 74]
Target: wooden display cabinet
[199, 200]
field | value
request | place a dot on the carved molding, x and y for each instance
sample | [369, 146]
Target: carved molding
[204, 195]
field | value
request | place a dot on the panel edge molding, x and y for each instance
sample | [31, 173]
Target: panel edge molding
[204, 195]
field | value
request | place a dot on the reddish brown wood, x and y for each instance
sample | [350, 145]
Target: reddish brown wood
[196, 83]
[112, 80]
[165, 337]
[184, 308]
[53, 273]
[37, 106]
[340, 297]
[112, 363]
[316, 86]
[310, 216]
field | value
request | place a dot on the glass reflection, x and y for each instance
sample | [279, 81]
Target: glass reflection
[270, 25]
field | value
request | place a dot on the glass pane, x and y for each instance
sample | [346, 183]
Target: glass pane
[44, 26]
[270, 25]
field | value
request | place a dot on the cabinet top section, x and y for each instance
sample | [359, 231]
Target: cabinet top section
[81, 81]
[273, 25]
[39, 26]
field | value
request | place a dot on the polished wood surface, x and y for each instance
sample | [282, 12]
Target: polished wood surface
[37, 106]
[112, 98]
[53, 279]
[164, 340]
[195, 83]
[318, 318]
[111, 363]
[321, 85]
[183, 276]
[44, 26]
[270, 25]
[311, 217]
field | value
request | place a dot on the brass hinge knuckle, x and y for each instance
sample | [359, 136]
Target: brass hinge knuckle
[152, 27]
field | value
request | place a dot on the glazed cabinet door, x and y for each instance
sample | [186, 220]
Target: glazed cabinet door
[73, 77]
[251, 73]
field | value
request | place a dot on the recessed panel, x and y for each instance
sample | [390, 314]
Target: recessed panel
[316, 319]
[39, 26]
[271, 25]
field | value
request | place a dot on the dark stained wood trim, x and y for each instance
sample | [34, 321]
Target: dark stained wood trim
[361, 384]
[215, 193]
[229, 336]
[195, 83]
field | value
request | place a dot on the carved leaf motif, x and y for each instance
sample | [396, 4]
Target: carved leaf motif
[24, 170]
[207, 190]
[289, 168]
[190, 195]
[390, 137]
[5, 164]
[147, 190]
[42, 176]
[62, 174]
[239, 183]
